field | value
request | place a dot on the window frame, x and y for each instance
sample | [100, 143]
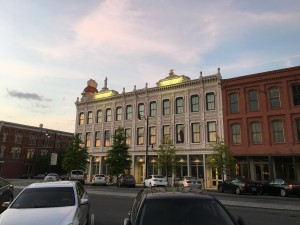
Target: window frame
[129, 109]
[195, 132]
[211, 134]
[253, 100]
[152, 109]
[210, 101]
[275, 102]
[179, 133]
[233, 102]
[166, 107]
[278, 131]
[195, 104]
[179, 105]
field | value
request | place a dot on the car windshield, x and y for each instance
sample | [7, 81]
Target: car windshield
[187, 211]
[158, 176]
[191, 178]
[45, 197]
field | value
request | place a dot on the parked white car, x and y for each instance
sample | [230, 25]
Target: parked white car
[188, 181]
[155, 181]
[48, 203]
[99, 179]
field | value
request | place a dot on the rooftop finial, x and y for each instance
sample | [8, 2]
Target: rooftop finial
[200, 74]
[105, 83]
[219, 70]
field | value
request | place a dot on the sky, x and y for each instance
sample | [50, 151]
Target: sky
[49, 49]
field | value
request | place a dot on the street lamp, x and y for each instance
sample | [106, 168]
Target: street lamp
[147, 137]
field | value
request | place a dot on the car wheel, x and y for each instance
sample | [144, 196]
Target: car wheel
[283, 193]
[238, 191]
[150, 185]
[182, 186]
[220, 189]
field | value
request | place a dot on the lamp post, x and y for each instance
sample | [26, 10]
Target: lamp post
[147, 140]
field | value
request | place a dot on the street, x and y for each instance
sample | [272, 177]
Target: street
[110, 205]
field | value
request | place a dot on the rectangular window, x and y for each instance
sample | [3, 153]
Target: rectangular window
[108, 115]
[211, 131]
[166, 107]
[88, 139]
[81, 118]
[179, 133]
[99, 116]
[97, 139]
[210, 101]
[253, 100]
[152, 108]
[298, 129]
[166, 132]
[194, 103]
[233, 102]
[256, 133]
[296, 94]
[128, 112]
[278, 131]
[236, 133]
[274, 98]
[106, 138]
[128, 136]
[141, 110]
[195, 132]
[90, 118]
[179, 105]
[118, 113]
[140, 136]
[152, 132]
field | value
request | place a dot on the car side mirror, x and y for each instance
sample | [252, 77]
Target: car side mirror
[84, 201]
[240, 221]
[127, 221]
[5, 204]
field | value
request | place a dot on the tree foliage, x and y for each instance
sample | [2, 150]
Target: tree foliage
[75, 156]
[167, 160]
[118, 158]
[221, 158]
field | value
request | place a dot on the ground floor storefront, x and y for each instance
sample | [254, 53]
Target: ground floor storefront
[263, 168]
[256, 168]
[188, 165]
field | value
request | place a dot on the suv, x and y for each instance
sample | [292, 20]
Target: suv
[169, 206]
[77, 175]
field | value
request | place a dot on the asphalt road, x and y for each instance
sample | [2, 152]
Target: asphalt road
[110, 205]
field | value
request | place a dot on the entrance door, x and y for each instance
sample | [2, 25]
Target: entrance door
[141, 172]
[262, 172]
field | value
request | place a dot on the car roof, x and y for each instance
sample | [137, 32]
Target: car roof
[174, 192]
[52, 184]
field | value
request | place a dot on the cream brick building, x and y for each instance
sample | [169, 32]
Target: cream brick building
[189, 111]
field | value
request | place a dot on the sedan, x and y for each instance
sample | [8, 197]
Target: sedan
[281, 187]
[6, 192]
[155, 181]
[99, 179]
[48, 203]
[126, 180]
[239, 186]
[188, 181]
[52, 177]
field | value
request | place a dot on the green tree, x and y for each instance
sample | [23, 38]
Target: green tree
[118, 158]
[167, 159]
[222, 158]
[75, 156]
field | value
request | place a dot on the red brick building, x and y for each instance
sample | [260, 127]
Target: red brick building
[262, 123]
[18, 143]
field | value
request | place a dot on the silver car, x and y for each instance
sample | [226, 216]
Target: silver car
[48, 203]
[188, 181]
[52, 177]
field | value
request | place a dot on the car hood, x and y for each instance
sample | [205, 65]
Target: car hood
[38, 216]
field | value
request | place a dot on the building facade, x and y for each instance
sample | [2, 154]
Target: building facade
[19, 143]
[262, 123]
[189, 112]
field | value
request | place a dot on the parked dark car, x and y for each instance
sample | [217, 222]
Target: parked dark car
[239, 186]
[6, 193]
[26, 176]
[40, 176]
[126, 180]
[169, 206]
[281, 187]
